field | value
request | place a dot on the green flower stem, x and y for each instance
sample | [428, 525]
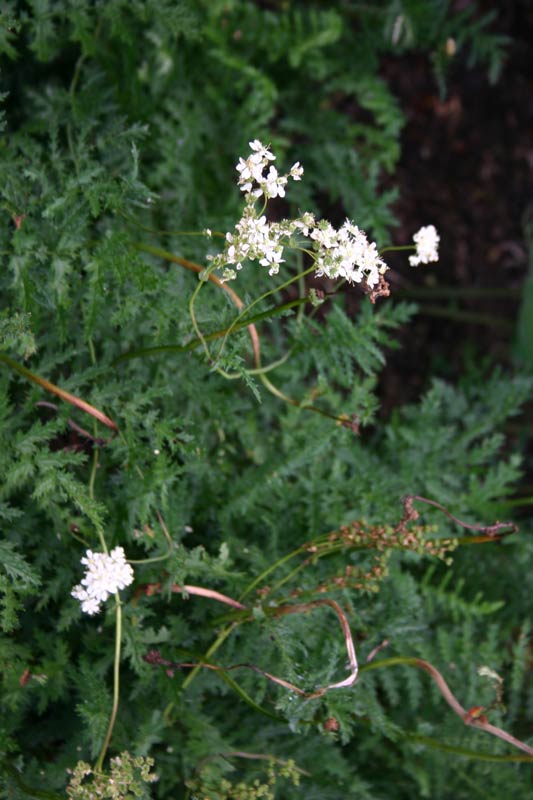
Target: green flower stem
[307, 406]
[235, 325]
[301, 285]
[96, 456]
[221, 638]
[251, 586]
[270, 367]
[245, 310]
[335, 548]
[203, 279]
[246, 697]
[163, 232]
[394, 661]
[397, 248]
[463, 751]
[513, 502]
[155, 559]
[276, 565]
[118, 630]
[116, 685]
[206, 275]
[183, 348]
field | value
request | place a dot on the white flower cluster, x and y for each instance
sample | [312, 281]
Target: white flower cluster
[427, 246]
[346, 253]
[104, 575]
[251, 171]
[342, 253]
[257, 240]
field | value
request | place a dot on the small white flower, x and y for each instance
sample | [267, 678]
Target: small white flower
[105, 574]
[272, 259]
[228, 275]
[325, 235]
[427, 246]
[89, 605]
[252, 179]
[274, 184]
[260, 150]
[296, 171]
[305, 223]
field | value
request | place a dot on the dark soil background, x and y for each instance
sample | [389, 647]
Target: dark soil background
[466, 168]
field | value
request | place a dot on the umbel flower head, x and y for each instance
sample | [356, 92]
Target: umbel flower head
[344, 253]
[347, 253]
[104, 575]
[427, 246]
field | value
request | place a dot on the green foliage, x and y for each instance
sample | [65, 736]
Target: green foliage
[123, 122]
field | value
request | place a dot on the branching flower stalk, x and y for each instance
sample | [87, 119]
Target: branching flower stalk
[258, 370]
[475, 720]
[474, 717]
[380, 538]
[154, 657]
[361, 536]
[106, 574]
[337, 254]
[344, 255]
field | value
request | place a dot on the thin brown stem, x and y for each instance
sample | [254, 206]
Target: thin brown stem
[58, 392]
[493, 531]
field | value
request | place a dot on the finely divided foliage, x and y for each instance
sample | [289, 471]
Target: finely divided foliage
[261, 614]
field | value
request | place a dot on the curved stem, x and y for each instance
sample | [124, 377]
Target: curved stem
[96, 454]
[301, 286]
[259, 299]
[296, 403]
[170, 545]
[474, 720]
[190, 265]
[259, 370]
[463, 751]
[116, 685]
[221, 638]
[185, 348]
[272, 568]
[205, 276]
